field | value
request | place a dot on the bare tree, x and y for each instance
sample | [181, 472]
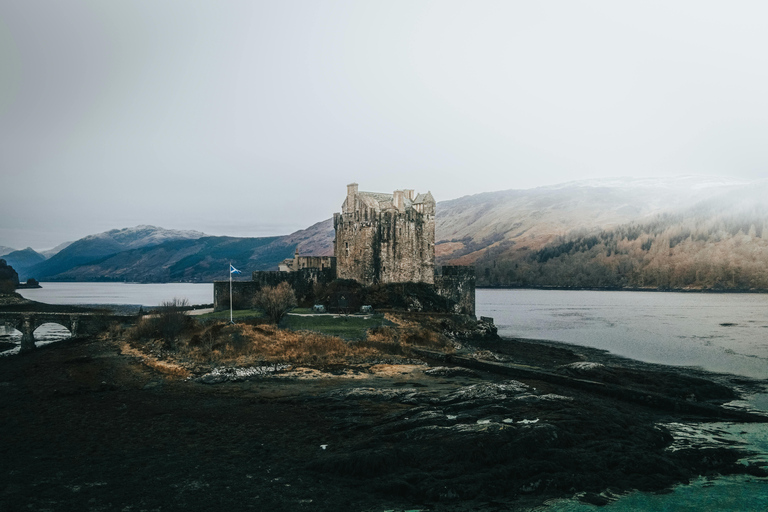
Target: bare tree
[172, 318]
[276, 301]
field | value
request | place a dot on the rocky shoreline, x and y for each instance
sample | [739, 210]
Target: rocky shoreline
[97, 425]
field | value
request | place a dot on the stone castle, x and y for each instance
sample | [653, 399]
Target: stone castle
[380, 239]
[385, 238]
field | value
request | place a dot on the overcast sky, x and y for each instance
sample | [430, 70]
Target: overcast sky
[249, 118]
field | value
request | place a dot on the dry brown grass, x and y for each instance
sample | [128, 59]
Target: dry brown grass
[414, 333]
[266, 344]
[166, 367]
[243, 345]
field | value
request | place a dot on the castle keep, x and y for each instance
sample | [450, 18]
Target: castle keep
[380, 239]
[385, 238]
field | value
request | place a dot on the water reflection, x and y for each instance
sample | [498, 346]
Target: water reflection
[10, 338]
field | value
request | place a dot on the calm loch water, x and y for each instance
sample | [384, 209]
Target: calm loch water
[717, 332]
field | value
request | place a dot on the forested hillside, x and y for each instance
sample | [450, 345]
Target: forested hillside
[715, 245]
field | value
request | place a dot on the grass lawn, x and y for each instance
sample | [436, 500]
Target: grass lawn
[302, 311]
[347, 327]
[238, 314]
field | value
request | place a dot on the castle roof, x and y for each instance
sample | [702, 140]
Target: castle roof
[424, 198]
[381, 201]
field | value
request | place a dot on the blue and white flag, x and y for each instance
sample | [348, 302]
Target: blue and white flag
[233, 270]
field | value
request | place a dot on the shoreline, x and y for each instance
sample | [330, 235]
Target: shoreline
[478, 287]
[655, 290]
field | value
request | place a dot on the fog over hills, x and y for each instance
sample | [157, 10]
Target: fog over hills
[713, 236]
[683, 232]
[5, 250]
[469, 226]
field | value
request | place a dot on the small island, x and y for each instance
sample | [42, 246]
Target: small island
[339, 388]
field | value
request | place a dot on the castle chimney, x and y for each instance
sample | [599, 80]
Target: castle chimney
[351, 193]
[397, 199]
[409, 194]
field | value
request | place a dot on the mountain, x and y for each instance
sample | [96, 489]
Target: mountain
[316, 240]
[689, 232]
[5, 250]
[23, 260]
[102, 245]
[201, 260]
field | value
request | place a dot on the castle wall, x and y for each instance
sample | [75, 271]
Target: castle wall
[457, 283]
[242, 294]
[302, 281]
[318, 262]
[355, 244]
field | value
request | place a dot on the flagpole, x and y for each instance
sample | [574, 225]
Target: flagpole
[230, 293]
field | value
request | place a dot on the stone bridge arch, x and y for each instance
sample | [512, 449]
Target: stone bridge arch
[39, 332]
[78, 324]
[28, 324]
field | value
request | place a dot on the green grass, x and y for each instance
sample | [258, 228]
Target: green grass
[238, 314]
[347, 327]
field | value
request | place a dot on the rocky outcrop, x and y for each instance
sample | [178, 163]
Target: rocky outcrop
[9, 279]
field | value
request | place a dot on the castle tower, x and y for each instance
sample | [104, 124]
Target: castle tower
[385, 238]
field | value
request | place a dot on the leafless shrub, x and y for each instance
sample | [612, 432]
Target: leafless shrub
[168, 323]
[115, 330]
[276, 301]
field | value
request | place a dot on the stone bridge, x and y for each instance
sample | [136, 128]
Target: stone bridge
[79, 324]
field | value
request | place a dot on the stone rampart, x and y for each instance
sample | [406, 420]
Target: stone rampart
[457, 283]
[303, 282]
[242, 294]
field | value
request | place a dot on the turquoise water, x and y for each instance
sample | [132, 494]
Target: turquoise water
[731, 494]
[726, 493]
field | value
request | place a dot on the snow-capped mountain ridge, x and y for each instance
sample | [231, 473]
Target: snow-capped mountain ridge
[144, 235]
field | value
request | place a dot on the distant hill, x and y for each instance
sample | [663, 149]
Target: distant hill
[468, 227]
[711, 238]
[199, 259]
[23, 260]
[5, 250]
